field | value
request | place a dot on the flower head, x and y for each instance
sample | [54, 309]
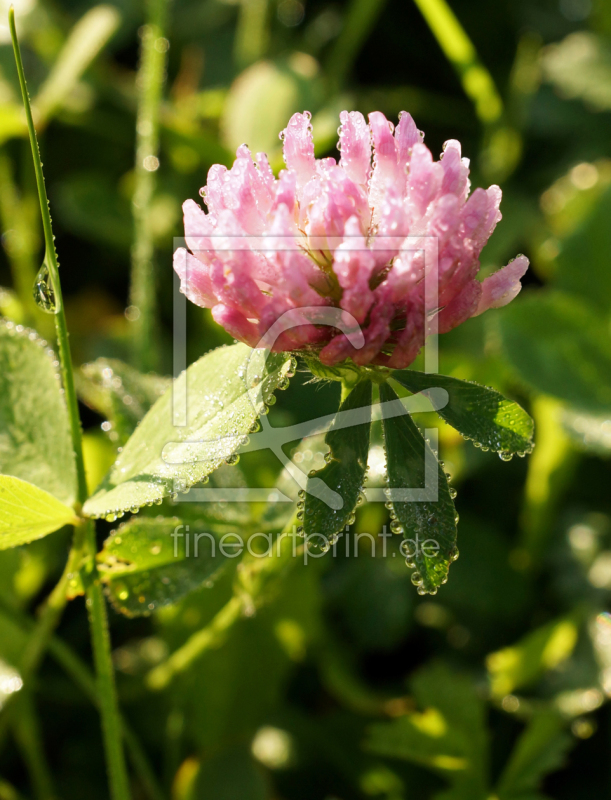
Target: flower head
[361, 236]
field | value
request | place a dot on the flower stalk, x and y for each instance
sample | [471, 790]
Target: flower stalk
[150, 81]
[84, 542]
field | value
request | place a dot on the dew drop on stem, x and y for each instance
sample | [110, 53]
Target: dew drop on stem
[44, 292]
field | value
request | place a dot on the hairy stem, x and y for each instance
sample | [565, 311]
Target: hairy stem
[84, 537]
[150, 81]
[107, 690]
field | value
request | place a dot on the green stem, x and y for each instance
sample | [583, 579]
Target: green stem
[360, 19]
[250, 593]
[211, 636]
[502, 147]
[81, 675]
[84, 536]
[29, 741]
[107, 690]
[61, 327]
[150, 80]
[461, 53]
[42, 632]
[252, 34]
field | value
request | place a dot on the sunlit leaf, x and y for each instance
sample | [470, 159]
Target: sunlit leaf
[11, 121]
[478, 412]
[35, 440]
[222, 409]
[151, 563]
[28, 513]
[539, 651]
[344, 474]
[429, 524]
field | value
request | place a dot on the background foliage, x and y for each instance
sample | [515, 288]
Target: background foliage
[343, 683]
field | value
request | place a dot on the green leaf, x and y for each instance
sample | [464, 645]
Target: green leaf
[560, 347]
[539, 751]
[431, 523]
[28, 513]
[150, 563]
[34, 430]
[582, 266]
[341, 480]
[229, 774]
[447, 735]
[120, 393]
[228, 691]
[477, 412]
[523, 663]
[222, 409]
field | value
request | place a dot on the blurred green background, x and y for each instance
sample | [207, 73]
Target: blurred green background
[345, 684]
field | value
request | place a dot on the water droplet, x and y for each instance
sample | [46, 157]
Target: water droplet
[44, 292]
[505, 455]
[416, 579]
